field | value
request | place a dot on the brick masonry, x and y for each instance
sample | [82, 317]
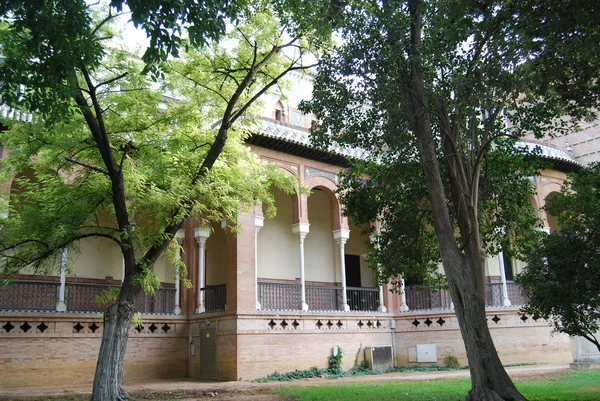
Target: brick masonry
[62, 349]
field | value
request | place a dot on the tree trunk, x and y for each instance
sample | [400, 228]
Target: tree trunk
[489, 380]
[108, 380]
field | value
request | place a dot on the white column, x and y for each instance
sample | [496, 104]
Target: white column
[341, 236]
[505, 300]
[381, 307]
[179, 238]
[122, 269]
[259, 222]
[61, 306]
[301, 229]
[201, 234]
[403, 306]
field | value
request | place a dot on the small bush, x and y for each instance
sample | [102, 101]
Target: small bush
[451, 361]
[335, 362]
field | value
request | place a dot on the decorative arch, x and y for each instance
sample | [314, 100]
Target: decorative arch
[329, 187]
[279, 113]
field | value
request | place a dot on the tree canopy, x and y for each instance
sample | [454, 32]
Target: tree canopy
[562, 276]
[112, 152]
[438, 93]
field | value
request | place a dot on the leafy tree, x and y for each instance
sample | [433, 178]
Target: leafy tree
[112, 154]
[438, 93]
[562, 276]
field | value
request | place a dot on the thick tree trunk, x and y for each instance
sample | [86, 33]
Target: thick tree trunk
[108, 380]
[489, 380]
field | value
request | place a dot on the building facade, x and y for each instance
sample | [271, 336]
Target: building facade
[278, 296]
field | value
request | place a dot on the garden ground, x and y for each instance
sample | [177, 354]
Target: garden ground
[187, 389]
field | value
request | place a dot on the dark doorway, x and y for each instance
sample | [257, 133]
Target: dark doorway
[352, 270]
[508, 269]
[208, 353]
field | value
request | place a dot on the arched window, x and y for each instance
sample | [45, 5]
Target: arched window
[280, 112]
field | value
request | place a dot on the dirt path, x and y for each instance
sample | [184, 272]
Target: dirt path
[188, 389]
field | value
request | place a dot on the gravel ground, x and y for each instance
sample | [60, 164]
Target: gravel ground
[188, 389]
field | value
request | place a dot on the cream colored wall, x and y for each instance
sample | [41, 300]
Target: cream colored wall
[216, 256]
[278, 248]
[320, 247]
[165, 270]
[97, 258]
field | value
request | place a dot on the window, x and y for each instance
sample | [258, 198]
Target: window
[279, 112]
[298, 119]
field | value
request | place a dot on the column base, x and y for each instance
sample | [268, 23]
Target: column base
[199, 309]
[258, 306]
[506, 302]
[177, 310]
[304, 306]
[404, 308]
[382, 309]
[346, 308]
[61, 307]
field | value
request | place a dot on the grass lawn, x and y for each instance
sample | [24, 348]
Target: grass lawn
[570, 386]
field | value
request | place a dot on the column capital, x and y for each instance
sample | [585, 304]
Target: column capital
[301, 229]
[179, 236]
[259, 222]
[201, 234]
[341, 235]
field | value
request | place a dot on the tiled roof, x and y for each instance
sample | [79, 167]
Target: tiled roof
[300, 136]
[558, 156]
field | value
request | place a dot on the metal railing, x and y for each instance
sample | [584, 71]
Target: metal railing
[42, 295]
[427, 298]
[363, 299]
[214, 298]
[494, 297]
[438, 297]
[277, 296]
[29, 295]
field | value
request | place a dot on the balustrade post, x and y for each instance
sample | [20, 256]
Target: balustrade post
[179, 236]
[259, 222]
[301, 229]
[201, 234]
[61, 306]
[505, 300]
[403, 305]
[341, 236]
[381, 307]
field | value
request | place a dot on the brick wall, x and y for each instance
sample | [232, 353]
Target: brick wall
[62, 349]
[518, 338]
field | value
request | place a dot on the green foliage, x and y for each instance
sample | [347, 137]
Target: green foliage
[451, 361]
[475, 65]
[335, 361]
[297, 374]
[136, 320]
[108, 297]
[357, 357]
[562, 276]
[63, 192]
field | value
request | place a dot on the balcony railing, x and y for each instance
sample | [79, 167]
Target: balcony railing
[438, 297]
[42, 295]
[215, 298]
[276, 296]
[363, 299]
